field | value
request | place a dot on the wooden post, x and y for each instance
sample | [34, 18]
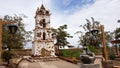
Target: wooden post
[104, 43]
[0, 38]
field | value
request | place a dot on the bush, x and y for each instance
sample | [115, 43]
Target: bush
[111, 56]
[6, 55]
[71, 53]
[92, 48]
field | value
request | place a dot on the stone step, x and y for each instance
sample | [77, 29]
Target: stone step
[3, 67]
[116, 66]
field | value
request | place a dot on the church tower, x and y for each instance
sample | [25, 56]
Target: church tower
[43, 43]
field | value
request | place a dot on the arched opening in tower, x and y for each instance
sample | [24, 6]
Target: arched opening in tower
[44, 35]
[44, 24]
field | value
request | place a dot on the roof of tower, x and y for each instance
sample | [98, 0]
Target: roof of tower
[42, 7]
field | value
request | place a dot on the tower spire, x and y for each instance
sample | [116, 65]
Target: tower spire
[42, 7]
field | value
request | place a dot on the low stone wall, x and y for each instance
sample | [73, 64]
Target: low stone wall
[89, 66]
[20, 53]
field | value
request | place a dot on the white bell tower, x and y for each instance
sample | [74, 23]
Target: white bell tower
[43, 43]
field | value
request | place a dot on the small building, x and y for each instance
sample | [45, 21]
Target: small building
[117, 44]
[65, 47]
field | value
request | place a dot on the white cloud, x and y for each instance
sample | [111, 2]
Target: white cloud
[66, 2]
[105, 11]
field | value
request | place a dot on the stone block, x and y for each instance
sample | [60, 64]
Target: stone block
[89, 66]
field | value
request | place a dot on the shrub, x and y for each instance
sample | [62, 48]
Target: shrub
[71, 53]
[92, 48]
[6, 55]
[112, 56]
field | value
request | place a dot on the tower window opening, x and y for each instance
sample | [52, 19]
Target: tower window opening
[40, 23]
[43, 20]
[47, 12]
[44, 35]
[44, 24]
[40, 12]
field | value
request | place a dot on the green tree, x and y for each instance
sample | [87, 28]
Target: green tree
[117, 33]
[87, 37]
[20, 37]
[60, 35]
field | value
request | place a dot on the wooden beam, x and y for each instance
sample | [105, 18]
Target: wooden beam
[104, 43]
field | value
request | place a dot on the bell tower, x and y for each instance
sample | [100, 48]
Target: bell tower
[43, 43]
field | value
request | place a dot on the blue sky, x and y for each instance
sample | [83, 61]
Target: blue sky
[69, 6]
[70, 12]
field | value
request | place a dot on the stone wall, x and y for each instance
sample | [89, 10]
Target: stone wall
[20, 53]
